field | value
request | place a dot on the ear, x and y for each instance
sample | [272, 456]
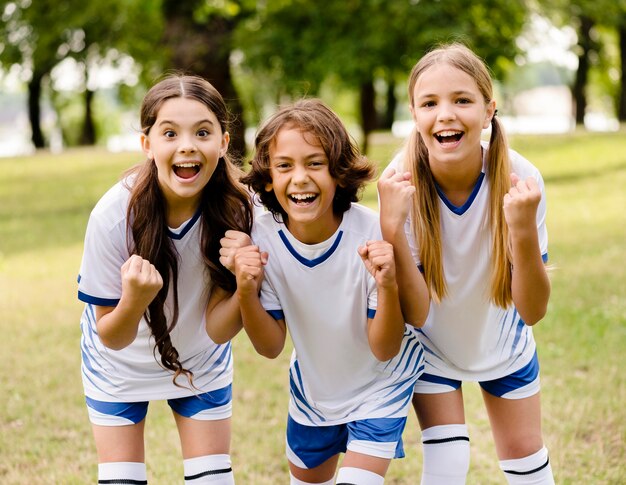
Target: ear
[145, 146]
[269, 187]
[489, 113]
[224, 144]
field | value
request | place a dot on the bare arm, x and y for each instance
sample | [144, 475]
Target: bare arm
[396, 195]
[385, 330]
[530, 284]
[141, 282]
[266, 334]
[223, 318]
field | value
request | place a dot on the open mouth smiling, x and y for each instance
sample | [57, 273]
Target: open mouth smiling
[448, 136]
[302, 199]
[186, 170]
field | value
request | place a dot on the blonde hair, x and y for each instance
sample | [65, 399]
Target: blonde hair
[425, 211]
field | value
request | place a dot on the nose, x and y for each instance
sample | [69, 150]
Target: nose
[187, 144]
[446, 112]
[300, 174]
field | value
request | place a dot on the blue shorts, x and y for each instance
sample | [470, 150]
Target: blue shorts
[518, 385]
[211, 405]
[310, 446]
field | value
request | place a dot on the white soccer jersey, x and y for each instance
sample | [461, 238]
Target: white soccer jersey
[466, 336]
[325, 294]
[135, 373]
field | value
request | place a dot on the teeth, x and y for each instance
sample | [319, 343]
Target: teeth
[448, 133]
[302, 196]
[187, 165]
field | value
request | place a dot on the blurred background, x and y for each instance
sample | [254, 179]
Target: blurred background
[73, 72]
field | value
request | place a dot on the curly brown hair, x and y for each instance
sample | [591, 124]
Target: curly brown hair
[347, 166]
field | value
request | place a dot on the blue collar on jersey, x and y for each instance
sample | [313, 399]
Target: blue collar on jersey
[461, 210]
[310, 262]
[187, 227]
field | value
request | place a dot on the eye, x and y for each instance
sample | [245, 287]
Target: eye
[317, 163]
[463, 101]
[169, 133]
[203, 133]
[428, 104]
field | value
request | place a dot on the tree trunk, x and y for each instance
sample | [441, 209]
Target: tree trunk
[34, 109]
[88, 136]
[621, 110]
[204, 49]
[390, 108]
[580, 82]
[368, 111]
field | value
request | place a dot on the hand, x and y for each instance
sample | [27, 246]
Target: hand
[248, 264]
[379, 261]
[520, 204]
[395, 191]
[141, 281]
[232, 241]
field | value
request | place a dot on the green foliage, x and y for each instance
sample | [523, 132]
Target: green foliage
[44, 205]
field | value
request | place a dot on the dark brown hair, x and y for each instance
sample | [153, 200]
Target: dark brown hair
[225, 204]
[346, 165]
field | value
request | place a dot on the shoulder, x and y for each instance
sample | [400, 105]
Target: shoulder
[361, 220]
[264, 223]
[523, 167]
[111, 209]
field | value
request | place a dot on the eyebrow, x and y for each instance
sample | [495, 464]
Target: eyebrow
[170, 122]
[455, 93]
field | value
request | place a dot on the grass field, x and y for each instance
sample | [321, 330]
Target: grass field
[45, 436]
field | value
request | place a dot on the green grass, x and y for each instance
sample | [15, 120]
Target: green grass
[45, 435]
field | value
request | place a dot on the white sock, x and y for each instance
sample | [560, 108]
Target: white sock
[295, 481]
[214, 469]
[534, 469]
[122, 472]
[446, 455]
[357, 476]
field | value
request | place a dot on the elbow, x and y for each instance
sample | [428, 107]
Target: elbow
[269, 352]
[115, 344]
[387, 353]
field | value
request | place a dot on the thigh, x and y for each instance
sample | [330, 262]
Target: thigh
[319, 474]
[203, 437]
[515, 424]
[439, 409]
[120, 443]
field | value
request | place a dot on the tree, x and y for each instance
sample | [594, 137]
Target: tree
[39, 34]
[198, 36]
[300, 43]
[585, 16]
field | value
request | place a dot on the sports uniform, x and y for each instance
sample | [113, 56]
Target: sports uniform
[467, 336]
[135, 373]
[325, 295]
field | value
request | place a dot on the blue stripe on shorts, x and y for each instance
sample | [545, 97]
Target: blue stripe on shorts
[523, 377]
[133, 411]
[188, 406]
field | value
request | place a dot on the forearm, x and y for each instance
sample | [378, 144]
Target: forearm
[266, 334]
[386, 329]
[414, 295]
[117, 326]
[223, 317]
[530, 284]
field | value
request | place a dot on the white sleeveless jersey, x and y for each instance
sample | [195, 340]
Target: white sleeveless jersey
[466, 336]
[325, 295]
[135, 373]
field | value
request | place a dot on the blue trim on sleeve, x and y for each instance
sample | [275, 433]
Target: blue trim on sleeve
[371, 312]
[276, 314]
[544, 257]
[461, 210]
[310, 263]
[97, 301]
